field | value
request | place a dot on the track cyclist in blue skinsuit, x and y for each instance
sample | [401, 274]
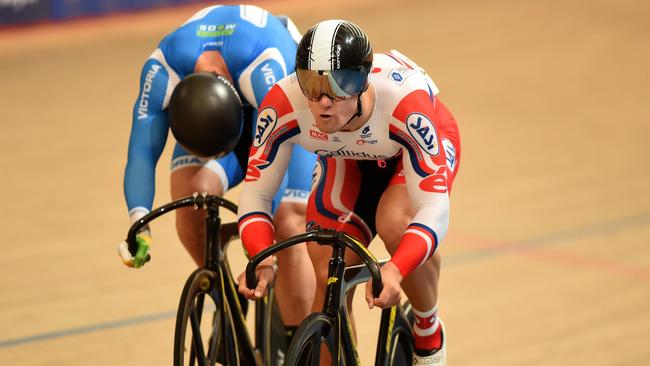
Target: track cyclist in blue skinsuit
[253, 49]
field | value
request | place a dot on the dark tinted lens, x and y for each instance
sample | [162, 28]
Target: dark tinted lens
[351, 81]
[313, 84]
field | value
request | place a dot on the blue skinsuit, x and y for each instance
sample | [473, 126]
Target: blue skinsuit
[259, 49]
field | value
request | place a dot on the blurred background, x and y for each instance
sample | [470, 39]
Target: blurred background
[547, 259]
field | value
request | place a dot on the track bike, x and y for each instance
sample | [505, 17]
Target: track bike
[331, 327]
[210, 323]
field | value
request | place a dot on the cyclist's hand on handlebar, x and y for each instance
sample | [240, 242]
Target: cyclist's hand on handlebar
[392, 292]
[143, 241]
[265, 275]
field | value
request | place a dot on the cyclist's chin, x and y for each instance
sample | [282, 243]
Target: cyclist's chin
[328, 123]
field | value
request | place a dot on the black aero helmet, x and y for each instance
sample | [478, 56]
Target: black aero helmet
[205, 114]
[334, 59]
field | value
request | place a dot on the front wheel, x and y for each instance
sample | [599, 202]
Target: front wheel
[210, 338]
[310, 338]
[395, 340]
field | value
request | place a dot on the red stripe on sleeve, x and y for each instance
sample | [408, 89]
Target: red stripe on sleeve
[411, 251]
[257, 233]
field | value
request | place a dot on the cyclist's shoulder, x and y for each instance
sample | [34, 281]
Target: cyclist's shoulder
[285, 96]
[396, 76]
[402, 87]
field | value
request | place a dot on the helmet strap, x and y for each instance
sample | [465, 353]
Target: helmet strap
[359, 110]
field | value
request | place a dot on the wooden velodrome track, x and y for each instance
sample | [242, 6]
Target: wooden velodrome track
[547, 260]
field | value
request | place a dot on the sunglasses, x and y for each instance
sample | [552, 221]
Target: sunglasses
[337, 85]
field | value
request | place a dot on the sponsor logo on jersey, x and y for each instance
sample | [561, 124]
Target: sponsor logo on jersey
[185, 160]
[336, 139]
[213, 44]
[345, 218]
[363, 142]
[265, 125]
[343, 153]
[422, 130]
[269, 77]
[365, 133]
[215, 30]
[143, 106]
[436, 182]
[318, 135]
[450, 153]
[400, 73]
[253, 171]
[296, 194]
[269, 71]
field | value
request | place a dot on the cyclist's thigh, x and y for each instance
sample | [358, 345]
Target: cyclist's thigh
[191, 174]
[345, 194]
[395, 210]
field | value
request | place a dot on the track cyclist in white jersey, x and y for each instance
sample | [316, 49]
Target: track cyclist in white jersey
[244, 50]
[388, 154]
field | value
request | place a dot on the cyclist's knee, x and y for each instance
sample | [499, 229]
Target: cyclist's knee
[390, 229]
[293, 256]
[192, 179]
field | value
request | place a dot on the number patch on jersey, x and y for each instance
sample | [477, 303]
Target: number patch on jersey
[424, 132]
[265, 124]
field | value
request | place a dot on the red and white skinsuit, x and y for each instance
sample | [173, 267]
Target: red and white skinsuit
[409, 126]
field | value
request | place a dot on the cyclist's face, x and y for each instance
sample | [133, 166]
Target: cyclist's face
[331, 115]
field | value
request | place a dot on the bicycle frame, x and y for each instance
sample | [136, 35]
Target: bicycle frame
[217, 276]
[338, 284]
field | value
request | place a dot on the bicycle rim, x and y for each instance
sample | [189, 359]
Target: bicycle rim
[401, 352]
[204, 334]
[309, 340]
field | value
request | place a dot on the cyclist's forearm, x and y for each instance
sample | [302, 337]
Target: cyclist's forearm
[421, 239]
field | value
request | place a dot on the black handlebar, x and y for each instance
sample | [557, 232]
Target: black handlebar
[204, 201]
[325, 237]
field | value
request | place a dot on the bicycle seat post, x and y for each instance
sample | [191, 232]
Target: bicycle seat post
[213, 250]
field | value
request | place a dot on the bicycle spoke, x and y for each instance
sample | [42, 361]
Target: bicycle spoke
[315, 353]
[197, 341]
[215, 338]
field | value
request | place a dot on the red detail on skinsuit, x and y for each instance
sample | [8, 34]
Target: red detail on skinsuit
[347, 195]
[350, 192]
[437, 182]
[399, 60]
[256, 233]
[252, 170]
[416, 101]
[277, 99]
[376, 70]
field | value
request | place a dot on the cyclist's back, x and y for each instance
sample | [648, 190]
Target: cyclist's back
[241, 34]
